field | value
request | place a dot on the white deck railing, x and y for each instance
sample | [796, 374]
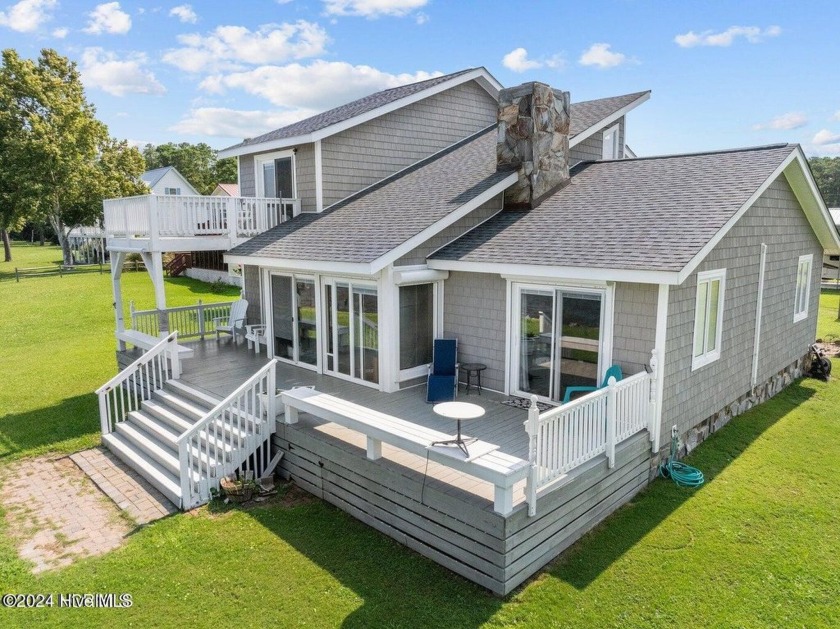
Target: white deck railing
[178, 216]
[190, 321]
[568, 436]
[128, 389]
[226, 437]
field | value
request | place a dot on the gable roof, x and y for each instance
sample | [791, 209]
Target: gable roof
[370, 227]
[358, 111]
[152, 177]
[591, 115]
[654, 214]
[230, 189]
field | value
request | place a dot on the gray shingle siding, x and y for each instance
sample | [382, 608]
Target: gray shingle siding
[362, 155]
[247, 181]
[592, 148]
[475, 314]
[777, 220]
[458, 228]
[251, 292]
[634, 325]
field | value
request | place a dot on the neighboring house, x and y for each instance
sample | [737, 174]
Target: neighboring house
[513, 221]
[831, 264]
[87, 245]
[167, 180]
[226, 190]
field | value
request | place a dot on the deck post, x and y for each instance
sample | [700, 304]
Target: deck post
[374, 449]
[117, 262]
[611, 421]
[654, 363]
[271, 406]
[201, 319]
[503, 500]
[532, 426]
[154, 266]
[291, 414]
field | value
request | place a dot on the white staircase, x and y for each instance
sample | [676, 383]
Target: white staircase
[181, 440]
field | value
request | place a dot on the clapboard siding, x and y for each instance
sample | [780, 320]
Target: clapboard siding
[443, 523]
[776, 219]
[634, 325]
[247, 178]
[367, 153]
[592, 148]
[475, 312]
[457, 229]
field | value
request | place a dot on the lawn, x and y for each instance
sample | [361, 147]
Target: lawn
[755, 547]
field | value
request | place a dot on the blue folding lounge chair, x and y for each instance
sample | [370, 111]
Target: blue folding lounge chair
[442, 384]
[612, 372]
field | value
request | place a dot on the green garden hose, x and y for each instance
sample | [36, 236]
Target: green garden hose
[682, 474]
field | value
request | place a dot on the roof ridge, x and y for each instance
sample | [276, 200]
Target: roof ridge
[744, 149]
[595, 100]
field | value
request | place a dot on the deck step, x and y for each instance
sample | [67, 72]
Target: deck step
[168, 436]
[145, 443]
[192, 395]
[188, 408]
[160, 478]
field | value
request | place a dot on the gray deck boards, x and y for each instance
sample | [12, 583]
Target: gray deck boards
[443, 514]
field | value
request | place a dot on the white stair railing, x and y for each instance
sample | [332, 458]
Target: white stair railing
[128, 389]
[568, 436]
[223, 440]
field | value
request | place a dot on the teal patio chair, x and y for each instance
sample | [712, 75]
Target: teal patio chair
[612, 372]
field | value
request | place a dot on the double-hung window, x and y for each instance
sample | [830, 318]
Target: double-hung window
[803, 287]
[708, 317]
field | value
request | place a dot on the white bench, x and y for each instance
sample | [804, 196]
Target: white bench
[147, 341]
[503, 470]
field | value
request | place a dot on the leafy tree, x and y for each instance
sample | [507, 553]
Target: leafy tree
[55, 148]
[196, 162]
[827, 175]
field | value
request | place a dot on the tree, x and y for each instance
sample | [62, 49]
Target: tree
[827, 175]
[196, 162]
[54, 146]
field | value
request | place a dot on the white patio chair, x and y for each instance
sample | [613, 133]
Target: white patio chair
[255, 336]
[234, 324]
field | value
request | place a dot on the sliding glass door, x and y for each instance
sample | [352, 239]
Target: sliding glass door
[352, 343]
[559, 340]
[294, 319]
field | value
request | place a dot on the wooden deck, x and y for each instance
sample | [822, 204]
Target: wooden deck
[443, 514]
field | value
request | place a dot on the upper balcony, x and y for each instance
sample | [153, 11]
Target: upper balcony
[155, 222]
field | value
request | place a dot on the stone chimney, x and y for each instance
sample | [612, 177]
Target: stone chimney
[533, 140]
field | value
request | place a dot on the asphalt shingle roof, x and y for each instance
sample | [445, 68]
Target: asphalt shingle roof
[371, 223]
[348, 110]
[589, 112]
[645, 214]
[151, 177]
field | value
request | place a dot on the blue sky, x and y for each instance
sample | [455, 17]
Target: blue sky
[723, 74]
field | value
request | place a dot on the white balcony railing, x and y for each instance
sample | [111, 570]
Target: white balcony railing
[155, 216]
[563, 438]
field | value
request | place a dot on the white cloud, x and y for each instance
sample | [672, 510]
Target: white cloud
[373, 8]
[790, 120]
[227, 47]
[60, 33]
[517, 60]
[753, 34]
[824, 136]
[600, 55]
[27, 15]
[106, 71]
[108, 18]
[421, 18]
[185, 13]
[319, 85]
[836, 116]
[233, 123]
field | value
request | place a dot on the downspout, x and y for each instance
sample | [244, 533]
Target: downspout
[758, 307]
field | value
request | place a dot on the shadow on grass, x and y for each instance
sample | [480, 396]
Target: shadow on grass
[399, 587]
[402, 588]
[200, 287]
[45, 429]
[600, 548]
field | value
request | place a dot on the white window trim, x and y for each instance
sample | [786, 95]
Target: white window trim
[259, 160]
[514, 299]
[803, 314]
[713, 355]
[616, 143]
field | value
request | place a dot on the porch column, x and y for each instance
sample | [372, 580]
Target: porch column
[154, 265]
[389, 331]
[117, 262]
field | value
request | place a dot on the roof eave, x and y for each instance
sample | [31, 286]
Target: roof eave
[480, 75]
[616, 115]
[312, 266]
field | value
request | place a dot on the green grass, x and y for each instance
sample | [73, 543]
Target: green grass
[828, 324]
[58, 347]
[755, 547]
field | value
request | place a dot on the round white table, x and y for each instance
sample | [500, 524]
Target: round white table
[458, 411]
